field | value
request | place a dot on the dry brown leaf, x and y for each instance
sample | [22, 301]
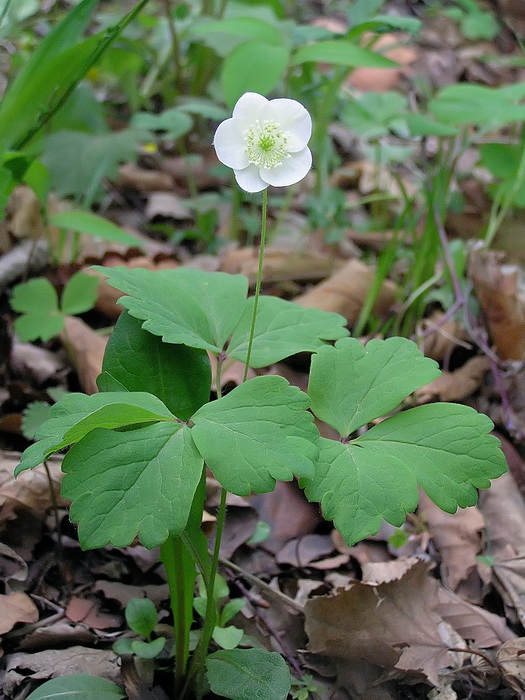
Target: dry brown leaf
[167, 205]
[86, 351]
[280, 264]
[345, 291]
[144, 180]
[288, 511]
[383, 79]
[54, 663]
[392, 625]
[472, 622]
[377, 572]
[457, 537]
[123, 593]
[457, 385]
[31, 489]
[511, 659]
[24, 214]
[501, 293]
[88, 612]
[16, 607]
[37, 363]
[440, 338]
[513, 13]
[302, 551]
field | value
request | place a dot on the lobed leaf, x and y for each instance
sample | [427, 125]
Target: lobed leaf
[139, 482]
[77, 414]
[445, 448]
[186, 305]
[137, 360]
[80, 294]
[257, 433]
[282, 329]
[351, 384]
[38, 296]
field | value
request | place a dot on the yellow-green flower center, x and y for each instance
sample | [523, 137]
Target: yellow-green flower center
[266, 144]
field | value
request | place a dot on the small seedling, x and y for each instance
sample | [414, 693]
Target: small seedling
[37, 300]
[141, 616]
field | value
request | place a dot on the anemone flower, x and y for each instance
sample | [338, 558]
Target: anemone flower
[265, 142]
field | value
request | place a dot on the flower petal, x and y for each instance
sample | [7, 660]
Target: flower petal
[248, 109]
[249, 179]
[290, 171]
[293, 117]
[229, 145]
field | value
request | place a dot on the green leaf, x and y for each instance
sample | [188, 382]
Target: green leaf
[186, 305]
[77, 414]
[248, 674]
[421, 125]
[248, 27]
[141, 616]
[37, 296]
[252, 67]
[76, 160]
[257, 433]
[79, 686]
[231, 609]
[476, 104]
[341, 53]
[282, 329]
[139, 361]
[93, 225]
[148, 650]
[34, 326]
[134, 482]
[445, 448]
[480, 25]
[33, 416]
[80, 294]
[228, 637]
[38, 81]
[350, 385]
[174, 122]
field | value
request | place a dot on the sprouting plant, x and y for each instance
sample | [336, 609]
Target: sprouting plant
[42, 315]
[141, 617]
[139, 448]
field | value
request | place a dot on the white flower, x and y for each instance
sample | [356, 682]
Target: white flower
[265, 142]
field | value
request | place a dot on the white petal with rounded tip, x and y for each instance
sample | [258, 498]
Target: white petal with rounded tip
[230, 145]
[293, 117]
[248, 109]
[249, 179]
[290, 171]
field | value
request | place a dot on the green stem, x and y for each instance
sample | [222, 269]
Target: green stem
[180, 571]
[210, 619]
[175, 46]
[258, 283]
[496, 219]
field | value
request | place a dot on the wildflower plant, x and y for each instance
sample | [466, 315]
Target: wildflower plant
[139, 447]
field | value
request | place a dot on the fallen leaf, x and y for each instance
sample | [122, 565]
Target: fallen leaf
[86, 351]
[392, 625]
[88, 612]
[384, 79]
[302, 551]
[279, 265]
[123, 593]
[345, 291]
[457, 385]
[472, 622]
[16, 607]
[511, 658]
[166, 205]
[144, 180]
[54, 663]
[457, 538]
[439, 338]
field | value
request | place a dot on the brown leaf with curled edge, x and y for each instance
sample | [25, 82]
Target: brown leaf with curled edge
[279, 265]
[392, 625]
[511, 659]
[457, 537]
[130, 175]
[16, 607]
[484, 628]
[383, 79]
[86, 351]
[440, 337]
[31, 489]
[88, 612]
[345, 292]
[457, 385]
[501, 294]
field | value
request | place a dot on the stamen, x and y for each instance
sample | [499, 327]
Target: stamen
[266, 144]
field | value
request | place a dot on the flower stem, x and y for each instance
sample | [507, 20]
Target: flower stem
[264, 214]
